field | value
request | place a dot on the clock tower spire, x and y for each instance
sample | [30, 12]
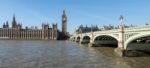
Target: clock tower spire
[64, 22]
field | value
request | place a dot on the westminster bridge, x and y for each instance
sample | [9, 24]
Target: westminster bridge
[125, 40]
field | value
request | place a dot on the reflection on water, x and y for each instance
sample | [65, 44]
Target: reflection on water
[63, 54]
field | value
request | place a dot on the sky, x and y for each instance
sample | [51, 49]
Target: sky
[79, 12]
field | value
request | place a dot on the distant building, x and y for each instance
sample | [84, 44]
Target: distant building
[33, 33]
[86, 29]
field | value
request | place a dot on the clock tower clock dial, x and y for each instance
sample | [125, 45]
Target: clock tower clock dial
[64, 19]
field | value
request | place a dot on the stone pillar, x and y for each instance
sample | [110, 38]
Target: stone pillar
[120, 50]
[91, 44]
[42, 34]
[75, 39]
[80, 42]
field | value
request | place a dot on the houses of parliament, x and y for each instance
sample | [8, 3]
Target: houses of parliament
[16, 32]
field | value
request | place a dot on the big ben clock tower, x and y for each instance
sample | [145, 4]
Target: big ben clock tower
[64, 22]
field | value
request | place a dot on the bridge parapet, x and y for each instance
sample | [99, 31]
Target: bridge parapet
[138, 28]
[104, 31]
[131, 29]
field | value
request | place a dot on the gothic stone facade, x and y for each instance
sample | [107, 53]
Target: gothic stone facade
[17, 32]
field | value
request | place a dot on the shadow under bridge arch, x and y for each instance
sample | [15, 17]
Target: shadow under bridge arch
[105, 40]
[139, 42]
[85, 40]
[78, 39]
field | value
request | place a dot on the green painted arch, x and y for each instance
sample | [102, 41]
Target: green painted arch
[129, 40]
[113, 36]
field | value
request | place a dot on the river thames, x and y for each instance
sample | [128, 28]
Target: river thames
[63, 54]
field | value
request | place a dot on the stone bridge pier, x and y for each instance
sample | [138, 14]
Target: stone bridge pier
[120, 49]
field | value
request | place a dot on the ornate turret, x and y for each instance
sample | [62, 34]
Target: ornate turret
[7, 25]
[19, 26]
[14, 23]
[4, 26]
[45, 26]
[55, 31]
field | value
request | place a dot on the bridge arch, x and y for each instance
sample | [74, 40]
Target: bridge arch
[113, 36]
[78, 39]
[86, 39]
[73, 38]
[110, 40]
[135, 37]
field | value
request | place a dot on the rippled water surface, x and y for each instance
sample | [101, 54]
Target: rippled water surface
[63, 54]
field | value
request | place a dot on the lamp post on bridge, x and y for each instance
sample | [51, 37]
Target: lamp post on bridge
[120, 49]
[75, 31]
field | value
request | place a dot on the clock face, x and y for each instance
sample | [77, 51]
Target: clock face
[64, 19]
